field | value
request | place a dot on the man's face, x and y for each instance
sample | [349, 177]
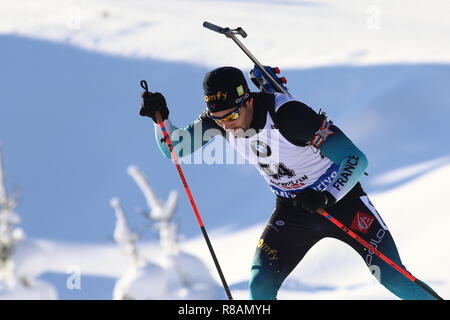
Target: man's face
[240, 124]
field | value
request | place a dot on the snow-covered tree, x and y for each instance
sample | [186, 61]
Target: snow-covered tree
[143, 279]
[159, 212]
[178, 274]
[14, 284]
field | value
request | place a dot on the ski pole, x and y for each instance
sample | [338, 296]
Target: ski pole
[377, 252]
[191, 198]
[230, 33]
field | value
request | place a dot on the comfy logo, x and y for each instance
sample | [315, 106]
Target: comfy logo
[271, 253]
[362, 222]
[215, 97]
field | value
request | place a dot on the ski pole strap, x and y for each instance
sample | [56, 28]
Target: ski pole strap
[377, 252]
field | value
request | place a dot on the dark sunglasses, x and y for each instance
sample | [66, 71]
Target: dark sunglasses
[231, 116]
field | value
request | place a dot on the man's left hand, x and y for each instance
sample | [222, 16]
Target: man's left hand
[312, 200]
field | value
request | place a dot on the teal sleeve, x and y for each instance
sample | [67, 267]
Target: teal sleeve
[352, 162]
[186, 140]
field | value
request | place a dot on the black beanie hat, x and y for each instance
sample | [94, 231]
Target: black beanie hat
[224, 88]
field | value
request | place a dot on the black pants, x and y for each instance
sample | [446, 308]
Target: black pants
[290, 233]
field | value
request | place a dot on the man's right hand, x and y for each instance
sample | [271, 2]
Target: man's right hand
[152, 102]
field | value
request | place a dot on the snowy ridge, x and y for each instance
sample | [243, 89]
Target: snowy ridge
[358, 32]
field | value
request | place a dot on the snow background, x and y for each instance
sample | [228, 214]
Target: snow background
[69, 129]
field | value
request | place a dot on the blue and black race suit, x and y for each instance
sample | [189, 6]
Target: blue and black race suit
[294, 148]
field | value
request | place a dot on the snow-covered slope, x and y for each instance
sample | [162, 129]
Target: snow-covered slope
[292, 33]
[331, 270]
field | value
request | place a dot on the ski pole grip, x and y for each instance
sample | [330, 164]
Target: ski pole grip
[159, 119]
[144, 86]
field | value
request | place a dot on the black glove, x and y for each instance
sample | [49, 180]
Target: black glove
[312, 200]
[152, 102]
